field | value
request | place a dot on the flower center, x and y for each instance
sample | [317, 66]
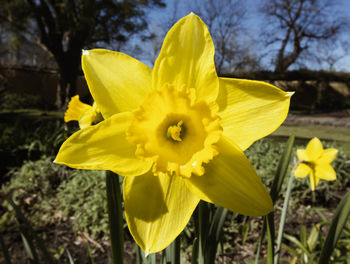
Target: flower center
[174, 130]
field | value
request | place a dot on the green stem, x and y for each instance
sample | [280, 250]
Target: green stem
[283, 219]
[115, 215]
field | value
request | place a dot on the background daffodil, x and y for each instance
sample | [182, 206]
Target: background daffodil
[85, 114]
[316, 162]
[176, 132]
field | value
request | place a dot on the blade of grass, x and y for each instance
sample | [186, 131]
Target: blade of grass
[173, 252]
[276, 187]
[338, 221]
[283, 218]
[4, 250]
[282, 169]
[270, 238]
[194, 256]
[203, 226]
[298, 243]
[30, 250]
[30, 233]
[91, 260]
[71, 261]
[215, 233]
[115, 216]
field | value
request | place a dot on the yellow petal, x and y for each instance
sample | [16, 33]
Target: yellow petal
[325, 172]
[230, 181]
[116, 81]
[75, 109]
[328, 155]
[157, 209]
[187, 58]
[302, 170]
[103, 147]
[250, 110]
[314, 149]
[302, 156]
[88, 118]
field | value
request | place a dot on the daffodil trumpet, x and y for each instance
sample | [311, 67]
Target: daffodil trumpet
[177, 133]
[316, 162]
[85, 114]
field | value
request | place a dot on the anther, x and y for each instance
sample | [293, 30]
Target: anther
[174, 132]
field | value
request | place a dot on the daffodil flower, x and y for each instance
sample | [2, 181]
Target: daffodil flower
[316, 162]
[85, 114]
[176, 132]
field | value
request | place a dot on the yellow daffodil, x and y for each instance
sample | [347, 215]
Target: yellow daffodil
[176, 132]
[85, 114]
[316, 162]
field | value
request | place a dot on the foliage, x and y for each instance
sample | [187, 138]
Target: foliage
[34, 187]
[83, 200]
[14, 101]
[49, 193]
[22, 139]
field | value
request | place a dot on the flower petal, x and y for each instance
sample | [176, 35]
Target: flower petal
[301, 154]
[75, 109]
[103, 147]
[302, 170]
[116, 81]
[314, 149]
[230, 181]
[250, 110]
[325, 172]
[328, 155]
[157, 209]
[187, 58]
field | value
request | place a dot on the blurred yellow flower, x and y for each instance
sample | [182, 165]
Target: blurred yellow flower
[316, 162]
[176, 132]
[85, 114]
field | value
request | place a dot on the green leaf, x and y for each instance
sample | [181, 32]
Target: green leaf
[283, 218]
[276, 188]
[282, 169]
[91, 260]
[194, 256]
[172, 252]
[298, 243]
[71, 261]
[30, 234]
[270, 238]
[30, 250]
[115, 216]
[303, 235]
[313, 237]
[215, 233]
[338, 221]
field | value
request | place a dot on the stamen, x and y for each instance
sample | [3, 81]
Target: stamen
[174, 132]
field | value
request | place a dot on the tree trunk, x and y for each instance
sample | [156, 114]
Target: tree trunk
[68, 73]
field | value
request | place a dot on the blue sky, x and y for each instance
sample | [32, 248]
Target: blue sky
[160, 17]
